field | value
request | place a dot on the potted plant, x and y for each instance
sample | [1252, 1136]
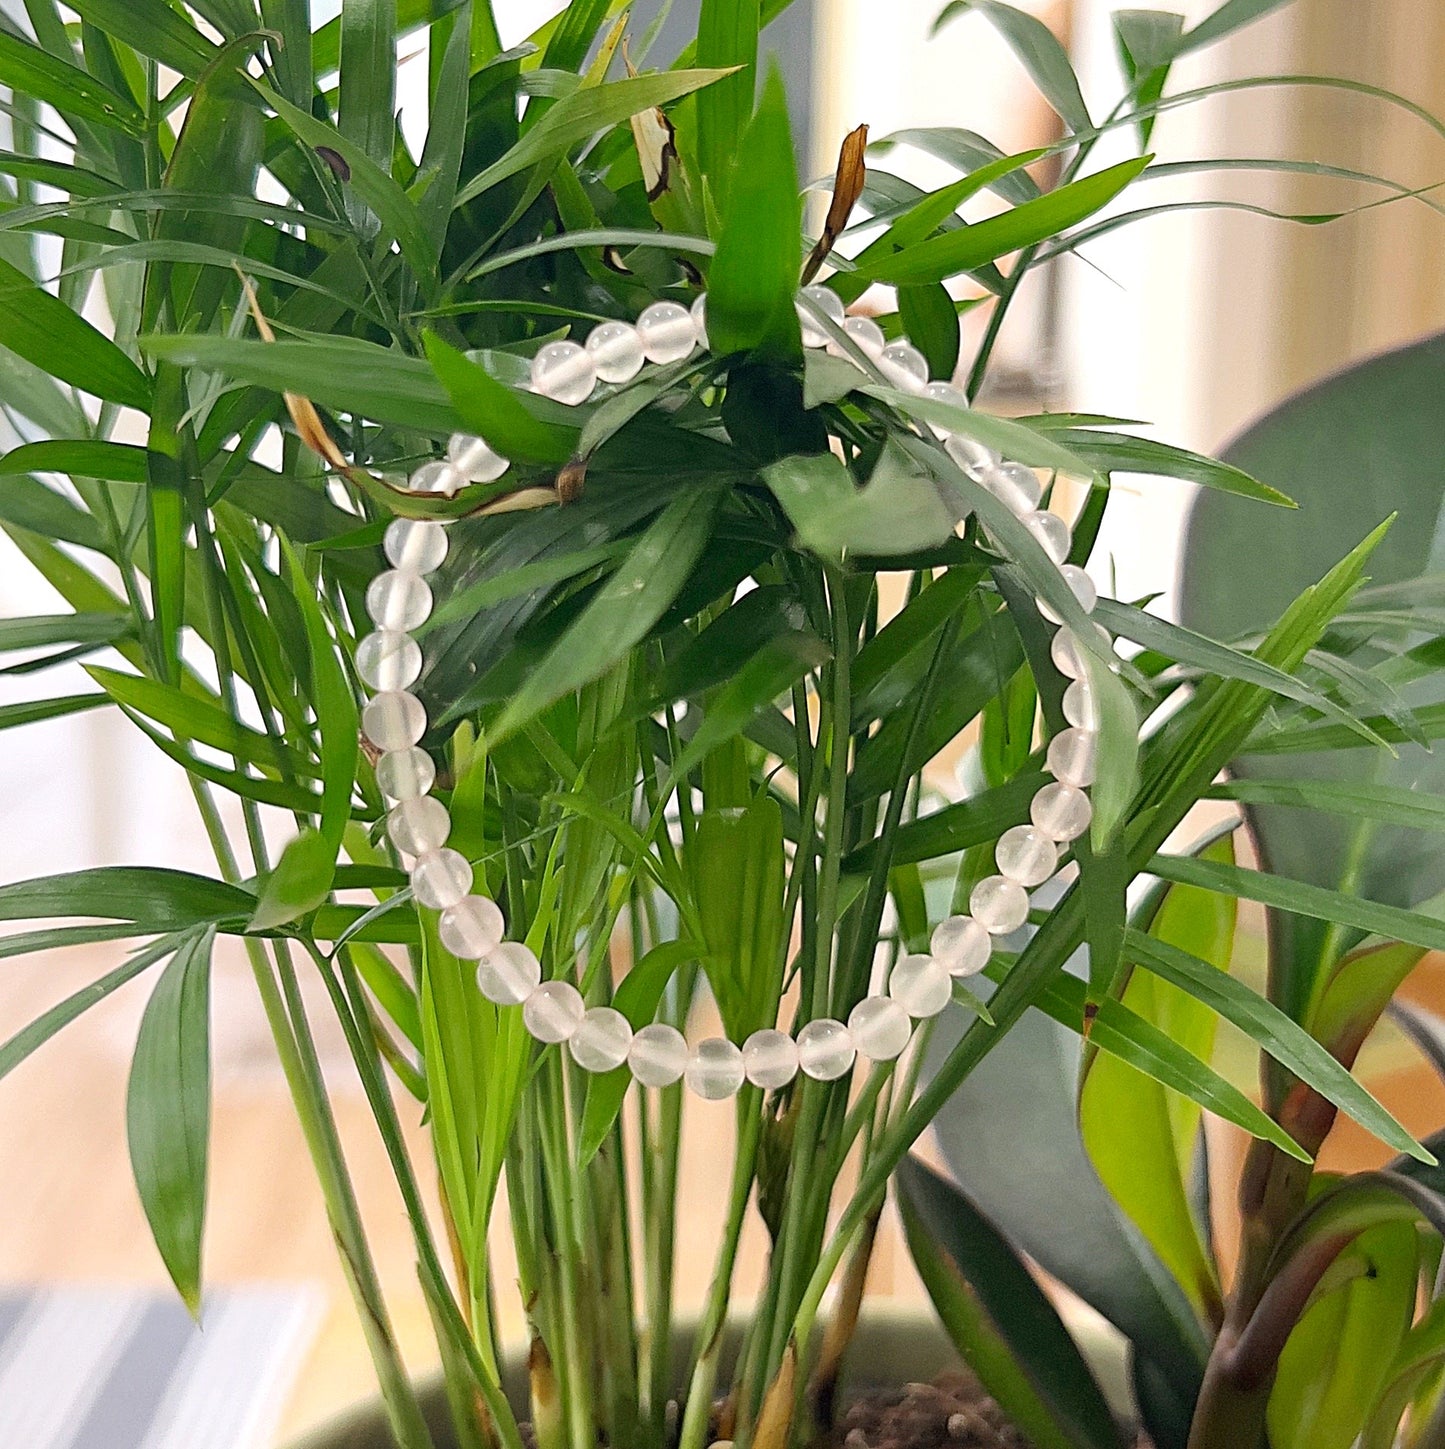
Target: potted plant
[509, 525]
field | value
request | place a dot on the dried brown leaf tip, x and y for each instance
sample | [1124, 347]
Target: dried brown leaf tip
[848, 183]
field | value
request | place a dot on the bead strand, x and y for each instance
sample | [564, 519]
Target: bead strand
[471, 926]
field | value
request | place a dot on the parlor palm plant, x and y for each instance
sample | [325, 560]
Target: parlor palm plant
[680, 741]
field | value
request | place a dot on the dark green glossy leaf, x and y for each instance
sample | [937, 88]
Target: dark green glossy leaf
[80, 458]
[153, 28]
[34, 72]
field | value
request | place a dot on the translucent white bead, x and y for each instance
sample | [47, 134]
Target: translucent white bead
[553, 1012]
[436, 477]
[420, 826]
[770, 1058]
[405, 774]
[616, 351]
[970, 455]
[1061, 811]
[564, 371]
[393, 720]
[904, 366]
[825, 1049]
[602, 1041]
[1068, 654]
[441, 879]
[658, 1055]
[830, 304]
[472, 928]
[1054, 535]
[1015, 485]
[1083, 590]
[945, 392]
[388, 659]
[1073, 756]
[867, 337]
[715, 1069]
[398, 599]
[698, 313]
[415, 544]
[667, 331]
[880, 1028]
[999, 905]
[509, 973]
[1081, 707]
[962, 945]
[475, 458]
[921, 986]
[1026, 855]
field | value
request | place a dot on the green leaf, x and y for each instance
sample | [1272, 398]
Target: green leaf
[1140, 1137]
[80, 458]
[898, 511]
[1339, 1355]
[1040, 52]
[155, 900]
[637, 999]
[37, 630]
[930, 318]
[27, 69]
[33, 711]
[493, 410]
[1231, 16]
[727, 38]
[998, 1317]
[42, 329]
[368, 78]
[168, 1112]
[154, 28]
[30, 1038]
[1121, 453]
[1117, 771]
[1387, 803]
[626, 607]
[970, 246]
[299, 883]
[754, 276]
[581, 115]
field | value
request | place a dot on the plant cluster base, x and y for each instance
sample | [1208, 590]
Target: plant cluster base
[951, 1412]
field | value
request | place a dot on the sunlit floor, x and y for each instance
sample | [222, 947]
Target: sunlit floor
[69, 1211]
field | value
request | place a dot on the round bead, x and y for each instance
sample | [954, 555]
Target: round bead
[972, 456]
[564, 371]
[1068, 654]
[420, 826]
[1061, 811]
[436, 477]
[698, 313]
[602, 1041]
[1015, 485]
[825, 1049]
[472, 928]
[962, 945]
[553, 1012]
[715, 1069]
[1082, 587]
[1081, 707]
[904, 366]
[1026, 855]
[393, 720]
[405, 774]
[944, 392]
[826, 301]
[770, 1058]
[880, 1028]
[398, 599]
[999, 905]
[616, 351]
[921, 986]
[658, 1055]
[667, 331]
[415, 544]
[475, 458]
[441, 879]
[509, 973]
[1054, 535]
[866, 336]
[1073, 756]
[388, 660]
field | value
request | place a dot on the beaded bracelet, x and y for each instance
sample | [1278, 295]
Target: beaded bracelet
[471, 926]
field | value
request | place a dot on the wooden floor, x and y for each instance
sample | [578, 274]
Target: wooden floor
[68, 1210]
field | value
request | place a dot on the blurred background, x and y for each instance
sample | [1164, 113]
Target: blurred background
[1195, 320]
